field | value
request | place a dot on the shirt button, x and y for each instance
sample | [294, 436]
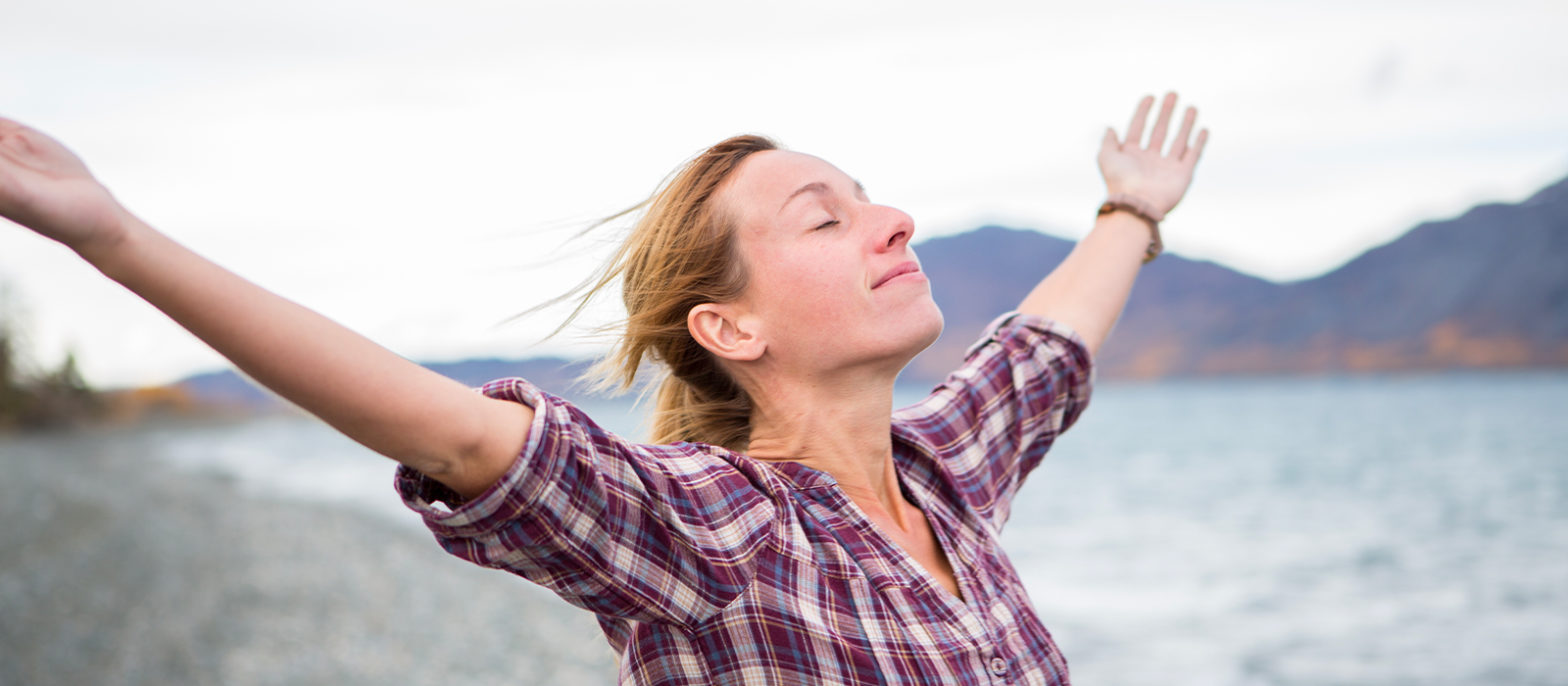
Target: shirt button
[998, 666]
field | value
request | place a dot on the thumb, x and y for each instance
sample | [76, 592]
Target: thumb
[1109, 142]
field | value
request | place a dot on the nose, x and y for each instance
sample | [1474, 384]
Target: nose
[894, 228]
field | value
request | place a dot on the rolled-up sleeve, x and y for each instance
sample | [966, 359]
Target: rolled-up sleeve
[992, 420]
[642, 532]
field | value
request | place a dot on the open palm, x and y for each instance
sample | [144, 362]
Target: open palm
[48, 189]
[1160, 179]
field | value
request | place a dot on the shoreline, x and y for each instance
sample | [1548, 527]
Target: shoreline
[117, 567]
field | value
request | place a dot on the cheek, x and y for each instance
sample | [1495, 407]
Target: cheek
[805, 290]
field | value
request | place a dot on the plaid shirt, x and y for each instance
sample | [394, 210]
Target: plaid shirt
[705, 566]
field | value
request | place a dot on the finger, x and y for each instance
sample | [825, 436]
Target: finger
[1109, 142]
[1197, 148]
[1163, 123]
[1179, 146]
[1135, 129]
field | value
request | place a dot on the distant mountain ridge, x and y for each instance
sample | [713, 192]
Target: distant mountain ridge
[227, 388]
[1487, 289]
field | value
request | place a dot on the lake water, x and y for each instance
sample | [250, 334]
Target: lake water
[1373, 530]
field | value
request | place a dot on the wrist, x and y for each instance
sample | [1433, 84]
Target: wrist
[1138, 203]
[109, 246]
[1136, 212]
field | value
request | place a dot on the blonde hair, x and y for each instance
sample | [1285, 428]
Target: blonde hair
[680, 253]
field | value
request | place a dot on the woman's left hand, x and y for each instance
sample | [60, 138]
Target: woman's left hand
[1142, 171]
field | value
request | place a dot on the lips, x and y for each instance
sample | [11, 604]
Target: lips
[901, 269]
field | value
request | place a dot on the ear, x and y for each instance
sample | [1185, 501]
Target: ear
[725, 332]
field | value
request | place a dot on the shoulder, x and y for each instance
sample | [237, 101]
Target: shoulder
[569, 458]
[1015, 354]
[1015, 334]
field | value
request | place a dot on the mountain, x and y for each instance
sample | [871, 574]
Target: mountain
[227, 388]
[1172, 294]
[1487, 289]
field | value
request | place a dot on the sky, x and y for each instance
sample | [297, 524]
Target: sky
[412, 169]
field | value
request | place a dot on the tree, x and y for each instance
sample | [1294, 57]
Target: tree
[44, 399]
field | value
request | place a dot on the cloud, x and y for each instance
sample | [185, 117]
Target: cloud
[397, 163]
[1384, 75]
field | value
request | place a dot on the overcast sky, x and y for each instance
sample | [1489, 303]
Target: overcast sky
[409, 168]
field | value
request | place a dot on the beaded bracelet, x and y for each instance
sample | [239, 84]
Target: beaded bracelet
[1141, 210]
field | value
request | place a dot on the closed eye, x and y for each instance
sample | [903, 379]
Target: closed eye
[828, 224]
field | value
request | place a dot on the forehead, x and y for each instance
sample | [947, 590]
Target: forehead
[765, 180]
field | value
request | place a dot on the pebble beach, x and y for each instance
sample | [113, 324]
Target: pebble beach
[118, 569]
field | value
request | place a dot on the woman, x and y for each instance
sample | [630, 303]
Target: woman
[786, 525]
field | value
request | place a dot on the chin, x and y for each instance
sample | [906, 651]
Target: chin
[935, 324]
[922, 328]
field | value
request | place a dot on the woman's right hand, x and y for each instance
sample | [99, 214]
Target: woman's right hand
[48, 189]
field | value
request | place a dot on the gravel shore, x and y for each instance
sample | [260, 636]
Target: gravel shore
[115, 568]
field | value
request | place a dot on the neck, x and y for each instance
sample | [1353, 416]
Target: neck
[839, 426]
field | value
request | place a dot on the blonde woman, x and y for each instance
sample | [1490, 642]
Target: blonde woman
[785, 525]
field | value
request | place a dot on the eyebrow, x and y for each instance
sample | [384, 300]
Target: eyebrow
[816, 187]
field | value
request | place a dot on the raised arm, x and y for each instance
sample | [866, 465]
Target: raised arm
[1088, 289]
[391, 405]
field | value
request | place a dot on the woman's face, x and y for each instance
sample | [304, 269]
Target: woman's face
[832, 282]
